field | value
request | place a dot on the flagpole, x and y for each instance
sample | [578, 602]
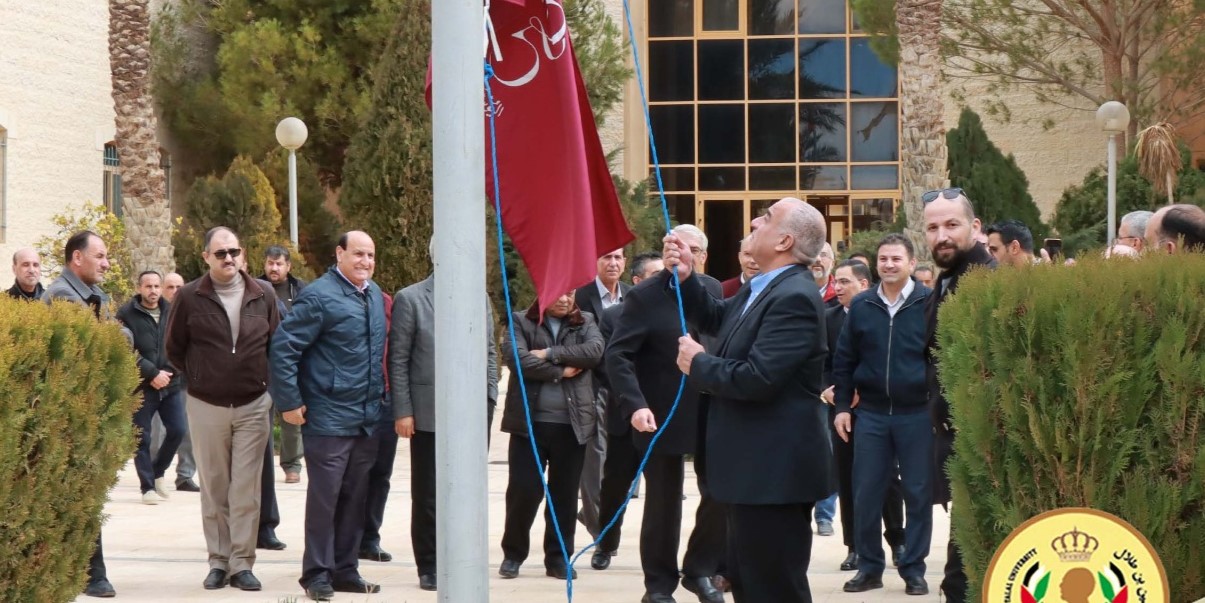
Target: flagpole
[462, 525]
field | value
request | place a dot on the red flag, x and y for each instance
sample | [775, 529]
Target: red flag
[559, 204]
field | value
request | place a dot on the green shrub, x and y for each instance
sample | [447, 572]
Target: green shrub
[1081, 386]
[66, 404]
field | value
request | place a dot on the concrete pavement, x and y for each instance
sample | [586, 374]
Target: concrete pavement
[157, 553]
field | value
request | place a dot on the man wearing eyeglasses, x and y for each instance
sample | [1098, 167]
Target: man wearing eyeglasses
[218, 336]
[1011, 243]
[950, 225]
[1130, 232]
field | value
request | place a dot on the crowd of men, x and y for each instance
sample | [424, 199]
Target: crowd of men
[800, 383]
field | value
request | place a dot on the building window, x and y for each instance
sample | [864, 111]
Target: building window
[3, 185]
[754, 100]
[112, 180]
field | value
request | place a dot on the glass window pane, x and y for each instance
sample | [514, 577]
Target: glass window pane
[671, 18]
[821, 68]
[771, 69]
[822, 132]
[869, 77]
[722, 63]
[724, 225]
[821, 16]
[772, 133]
[721, 133]
[874, 132]
[721, 15]
[722, 179]
[674, 179]
[674, 132]
[672, 71]
[822, 178]
[771, 179]
[771, 17]
[884, 177]
[681, 207]
[873, 213]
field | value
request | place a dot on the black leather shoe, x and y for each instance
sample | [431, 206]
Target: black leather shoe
[509, 568]
[601, 559]
[896, 553]
[863, 582]
[215, 580]
[187, 486]
[703, 589]
[427, 582]
[916, 585]
[245, 580]
[851, 562]
[375, 553]
[271, 543]
[320, 591]
[656, 598]
[359, 585]
[100, 588]
[559, 572]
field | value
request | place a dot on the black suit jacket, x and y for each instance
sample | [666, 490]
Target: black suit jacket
[767, 430]
[641, 362]
[616, 423]
[588, 299]
[834, 319]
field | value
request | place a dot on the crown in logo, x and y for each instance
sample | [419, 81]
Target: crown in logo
[1075, 546]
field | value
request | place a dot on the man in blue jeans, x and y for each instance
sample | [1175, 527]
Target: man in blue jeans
[881, 356]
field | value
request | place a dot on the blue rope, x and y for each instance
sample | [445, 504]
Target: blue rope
[569, 563]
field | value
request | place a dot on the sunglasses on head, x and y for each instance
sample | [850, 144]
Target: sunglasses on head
[947, 193]
[232, 252]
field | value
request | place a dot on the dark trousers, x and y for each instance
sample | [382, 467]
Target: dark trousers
[882, 441]
[562, 456]
[769, 548]
[422, 500]
[334, 506]
[660, 531]
[378, 484]
[623, 460]
[96, 565]
[954, 584]
[170, 408]
[893, 505]
[269, 512]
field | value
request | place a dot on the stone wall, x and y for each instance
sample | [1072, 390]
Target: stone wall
[56, 106]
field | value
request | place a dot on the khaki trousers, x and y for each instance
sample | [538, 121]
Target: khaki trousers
[228, 444]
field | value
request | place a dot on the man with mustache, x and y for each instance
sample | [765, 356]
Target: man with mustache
[278, 270]
[822, 272]
[950, 226]
[27, 268]
[218, 336]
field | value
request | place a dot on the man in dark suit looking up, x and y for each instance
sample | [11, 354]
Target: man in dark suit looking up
[767, 444]
[641, 368]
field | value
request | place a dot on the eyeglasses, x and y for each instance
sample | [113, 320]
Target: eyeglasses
[948, 193]
[1118, 241]
[232, 252]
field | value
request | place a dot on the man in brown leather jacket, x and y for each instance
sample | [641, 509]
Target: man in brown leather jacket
[218, 336]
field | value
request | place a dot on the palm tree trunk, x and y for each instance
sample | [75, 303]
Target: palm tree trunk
[144, 188]
[923, 136]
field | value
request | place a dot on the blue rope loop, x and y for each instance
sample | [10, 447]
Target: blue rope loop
[489, 74]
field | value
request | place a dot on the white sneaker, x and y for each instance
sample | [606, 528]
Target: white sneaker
[150, 498]
[161, 487]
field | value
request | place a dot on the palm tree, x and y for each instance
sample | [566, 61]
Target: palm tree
[1159, 158]
[144, 187]
[923, 136]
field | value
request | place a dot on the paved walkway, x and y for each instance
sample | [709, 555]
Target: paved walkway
[157, 553]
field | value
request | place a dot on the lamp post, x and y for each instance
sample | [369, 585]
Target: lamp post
[291, 134]
[1113, 117]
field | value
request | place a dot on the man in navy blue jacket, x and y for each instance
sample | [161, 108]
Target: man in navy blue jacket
[328, 375]
[881, 356]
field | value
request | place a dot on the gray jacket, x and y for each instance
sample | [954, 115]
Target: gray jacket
[412, 355]
[68, 287]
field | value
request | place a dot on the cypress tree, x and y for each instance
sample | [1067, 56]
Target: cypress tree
[994, 182]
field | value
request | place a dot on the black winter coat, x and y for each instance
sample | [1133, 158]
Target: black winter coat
[149, 338]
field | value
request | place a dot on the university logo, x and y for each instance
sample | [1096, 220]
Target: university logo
[1075, 555]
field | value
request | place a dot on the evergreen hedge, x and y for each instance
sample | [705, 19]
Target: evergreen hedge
[66, 402]
[1080, 386]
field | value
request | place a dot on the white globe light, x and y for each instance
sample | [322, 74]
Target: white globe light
[1113, 117]
[291, 133]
